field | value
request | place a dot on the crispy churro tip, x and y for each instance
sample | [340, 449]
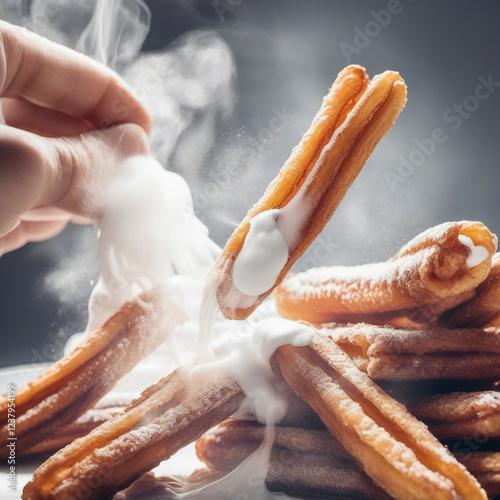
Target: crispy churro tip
[434, 272]
[483, 309]
[297, 205]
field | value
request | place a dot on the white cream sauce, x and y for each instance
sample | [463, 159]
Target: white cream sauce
[272, 236]
[478, 253]
[263, 256]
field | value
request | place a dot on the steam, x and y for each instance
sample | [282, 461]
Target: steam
[116, 32]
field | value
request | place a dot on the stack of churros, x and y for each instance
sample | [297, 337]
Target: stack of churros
[425, 318]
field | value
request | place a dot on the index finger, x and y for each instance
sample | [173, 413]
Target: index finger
[56, 77]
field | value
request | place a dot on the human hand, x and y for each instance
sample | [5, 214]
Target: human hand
[69, 123]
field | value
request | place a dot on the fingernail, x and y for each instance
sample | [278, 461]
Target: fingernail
[10, 229]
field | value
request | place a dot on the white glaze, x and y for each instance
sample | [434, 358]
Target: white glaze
[272, 235]
[262, 257]
[246, 359]
[478, 253]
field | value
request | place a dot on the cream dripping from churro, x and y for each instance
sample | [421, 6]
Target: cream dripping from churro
[265, 252]
[478, 253]
[246, 359]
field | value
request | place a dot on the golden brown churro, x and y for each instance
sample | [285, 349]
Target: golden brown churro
[460, 415]
[396, 450]
[309, 463]
[388, 353]
[168, 415]
[103, 411]
[483, 310]
[71, 386]
[485, 467]
[303, 463]
[429, 275]
[351, 121]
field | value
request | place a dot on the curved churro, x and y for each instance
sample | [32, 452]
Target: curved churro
[76, 382]
[300, 201]
[434, 272]
[387, 353]
[483, 310]
[460, 415]
[303, 463]
[167, 416]
[396, 450]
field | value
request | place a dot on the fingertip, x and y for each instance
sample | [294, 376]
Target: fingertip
[8, 227]
[128, 140]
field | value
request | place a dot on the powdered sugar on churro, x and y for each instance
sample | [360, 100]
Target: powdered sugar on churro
[478, 253]
[487, 402]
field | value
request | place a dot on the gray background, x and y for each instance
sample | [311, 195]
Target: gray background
[287, 53]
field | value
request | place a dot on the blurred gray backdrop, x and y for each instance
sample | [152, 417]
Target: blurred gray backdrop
[439, 163]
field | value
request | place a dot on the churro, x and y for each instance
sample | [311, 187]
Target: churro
[388, 353]
[299, 202]
[434, 272]
[103, 411]
[460, 415]
[72, 385]
[167, 416]
[485, 466]
[396, 450]
[482, 310]
[303, 463]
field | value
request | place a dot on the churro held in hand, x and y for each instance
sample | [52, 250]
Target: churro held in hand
[72, 385]
[434, 272]
[395, 449]
[299, 202]
[388, 353]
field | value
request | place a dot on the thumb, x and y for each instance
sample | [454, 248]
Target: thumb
[71, 173]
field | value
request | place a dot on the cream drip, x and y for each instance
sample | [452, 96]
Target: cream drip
[478, 253]
[263, 256]
[246, 359]
[149, 235]
[272, 235]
